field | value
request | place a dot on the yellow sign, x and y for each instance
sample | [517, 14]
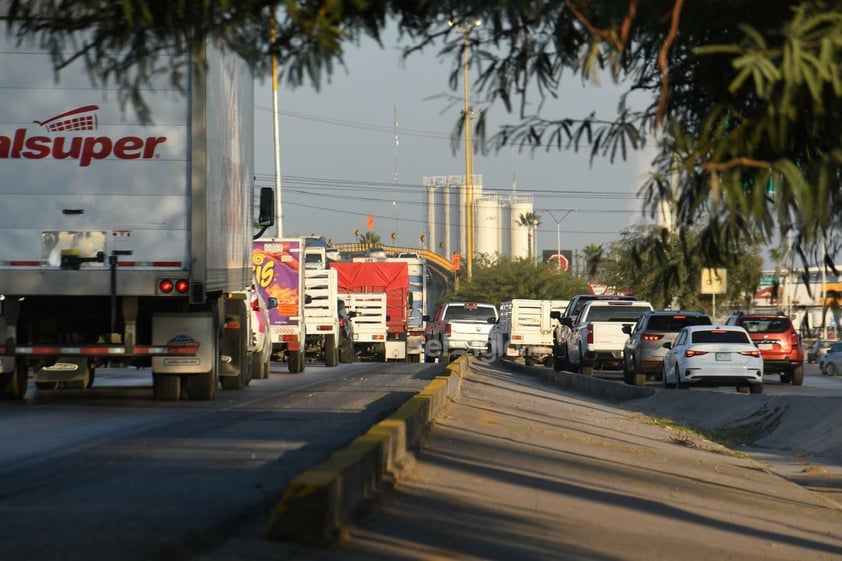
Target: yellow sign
[714, 281]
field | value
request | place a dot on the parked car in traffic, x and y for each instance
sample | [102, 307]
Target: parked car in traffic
[713, 355]
[778, 341]
[643, 353]
[831, 362]
[817, 349]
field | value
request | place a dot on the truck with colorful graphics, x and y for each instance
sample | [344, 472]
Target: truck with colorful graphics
[122, 239]
[279, 270]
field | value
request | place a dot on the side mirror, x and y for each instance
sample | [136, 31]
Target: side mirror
[266, 213]
[667, 345]
[388, 318]
[272, 303]
[307, 299]
[555, 314]
[626, 329]
[492, 320]
[567, 322]
[425, 317]
[352, 315]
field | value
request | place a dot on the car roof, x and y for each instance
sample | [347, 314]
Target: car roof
[674, 313]
[713, 327]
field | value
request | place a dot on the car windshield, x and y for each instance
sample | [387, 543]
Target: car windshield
[773, 325]
[675, 323]
[616, 313]
[720, 336]
[470, 313]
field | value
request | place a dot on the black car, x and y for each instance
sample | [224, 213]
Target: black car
[643, 353]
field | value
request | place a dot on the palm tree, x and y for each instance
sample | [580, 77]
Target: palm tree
[593, 257]
[531, 221]
[370, 238]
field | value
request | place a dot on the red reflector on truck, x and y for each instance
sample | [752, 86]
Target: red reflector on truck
[324, 328]
[24, 263]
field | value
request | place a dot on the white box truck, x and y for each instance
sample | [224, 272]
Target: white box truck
[525, 330]
[120, 239]
[321, 313]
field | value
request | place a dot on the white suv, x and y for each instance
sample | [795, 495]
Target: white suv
[459, 328]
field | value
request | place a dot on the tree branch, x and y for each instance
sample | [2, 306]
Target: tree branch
[663, 63]
[730, 164]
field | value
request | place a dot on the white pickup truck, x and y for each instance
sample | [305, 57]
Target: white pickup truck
[596, 340]
[459, 328]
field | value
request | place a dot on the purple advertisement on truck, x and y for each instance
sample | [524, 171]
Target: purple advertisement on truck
[278, 271]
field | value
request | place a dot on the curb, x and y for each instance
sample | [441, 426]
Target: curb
[320, 502]
[589, 385]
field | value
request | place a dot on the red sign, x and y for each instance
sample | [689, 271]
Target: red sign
[563, 262]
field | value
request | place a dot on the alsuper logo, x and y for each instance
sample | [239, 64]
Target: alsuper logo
[65, 143]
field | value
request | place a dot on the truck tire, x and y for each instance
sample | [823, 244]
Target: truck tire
[166, 387]
[202, 387]
[346, 351]
[296, 362]
[13, 384]
[331, 351]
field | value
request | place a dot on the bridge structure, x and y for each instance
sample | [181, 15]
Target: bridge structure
[441, 266]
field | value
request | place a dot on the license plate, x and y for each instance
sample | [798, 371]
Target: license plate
[765, 346]
[723, 356]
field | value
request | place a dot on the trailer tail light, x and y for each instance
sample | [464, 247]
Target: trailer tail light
[182, 286]
[166, 286]
[378, 337]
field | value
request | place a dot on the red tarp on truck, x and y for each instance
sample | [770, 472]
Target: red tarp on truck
[379, 276]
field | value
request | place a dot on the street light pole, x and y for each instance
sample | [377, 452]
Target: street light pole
[278, 207]
[558, 234]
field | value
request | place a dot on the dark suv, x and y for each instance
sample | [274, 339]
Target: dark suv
[779, 344]
[643, 353]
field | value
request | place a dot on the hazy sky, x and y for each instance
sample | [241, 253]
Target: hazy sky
[339, 158]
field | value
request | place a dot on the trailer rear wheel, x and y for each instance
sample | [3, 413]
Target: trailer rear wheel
[166, 387]
[202, 387]
[331, 351]
[13, 384]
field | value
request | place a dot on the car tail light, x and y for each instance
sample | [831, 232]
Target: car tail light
[691, 353]
[590, 333]
[755, 354]
[447, 330]
[651, 337]
[793, 339]
[342, 323]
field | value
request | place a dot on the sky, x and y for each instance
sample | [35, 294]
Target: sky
[340, 161]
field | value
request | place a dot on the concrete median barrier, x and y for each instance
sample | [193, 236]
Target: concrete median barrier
[590, 385]
[319, 503]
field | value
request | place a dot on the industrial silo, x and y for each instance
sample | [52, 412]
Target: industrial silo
[519, 205]
[488, 225]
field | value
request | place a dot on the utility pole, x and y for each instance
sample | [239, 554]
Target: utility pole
[465, 28]
[278, 207]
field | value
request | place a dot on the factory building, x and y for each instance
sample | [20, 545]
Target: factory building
[496, 216]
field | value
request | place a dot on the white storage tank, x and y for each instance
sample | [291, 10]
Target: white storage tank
[520, 205]
[488, 225]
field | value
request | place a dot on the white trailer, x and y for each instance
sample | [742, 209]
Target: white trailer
[121, 240]
[321, 314]
[368, 313]
[525, 330]
[416, 320]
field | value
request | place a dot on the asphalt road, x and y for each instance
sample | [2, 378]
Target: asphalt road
[519, 469]
[109, 474]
